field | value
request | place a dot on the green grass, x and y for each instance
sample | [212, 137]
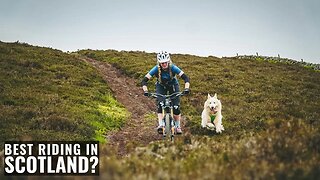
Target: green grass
[271, 113]
[271, 116]
[46, 94]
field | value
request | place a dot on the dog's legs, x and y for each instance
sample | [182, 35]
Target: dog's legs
[218, 123]
[203, 119]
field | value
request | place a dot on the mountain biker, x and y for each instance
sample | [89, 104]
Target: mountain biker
[166, 72]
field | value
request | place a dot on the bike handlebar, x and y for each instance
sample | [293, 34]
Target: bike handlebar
[171, 96]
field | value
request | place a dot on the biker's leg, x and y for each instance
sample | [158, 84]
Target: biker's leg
[160, 90]
[176, 109]
[177, 120]
[160, 119]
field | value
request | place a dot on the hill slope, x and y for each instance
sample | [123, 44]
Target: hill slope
[251, 91]
[271, 116]
[271, 113]
[46, 94]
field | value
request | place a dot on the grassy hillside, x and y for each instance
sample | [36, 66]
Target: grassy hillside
[271, 113]
[271, 116]
[46, 94]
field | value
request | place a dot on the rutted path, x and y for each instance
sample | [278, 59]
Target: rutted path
[137, 130]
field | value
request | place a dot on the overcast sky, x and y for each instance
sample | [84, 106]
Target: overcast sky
[290, 28]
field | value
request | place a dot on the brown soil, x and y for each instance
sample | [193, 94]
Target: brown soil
[137, 130]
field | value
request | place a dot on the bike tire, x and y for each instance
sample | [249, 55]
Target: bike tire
[168, 125]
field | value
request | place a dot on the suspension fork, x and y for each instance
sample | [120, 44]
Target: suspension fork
[164, 121]
[172, 122]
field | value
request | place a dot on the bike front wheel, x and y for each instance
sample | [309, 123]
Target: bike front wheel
[169, 128]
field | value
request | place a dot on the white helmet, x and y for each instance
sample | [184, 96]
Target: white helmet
[163, 57]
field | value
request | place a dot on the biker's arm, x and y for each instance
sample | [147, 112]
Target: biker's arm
[144, 82]
[147, 77]
[186, 79]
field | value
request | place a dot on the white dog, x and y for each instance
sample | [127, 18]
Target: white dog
[211, 115]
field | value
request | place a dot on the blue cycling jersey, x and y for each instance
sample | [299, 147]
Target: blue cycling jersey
[165, 75]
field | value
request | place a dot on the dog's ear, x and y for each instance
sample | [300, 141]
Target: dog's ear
[209, 96]
[215, 95]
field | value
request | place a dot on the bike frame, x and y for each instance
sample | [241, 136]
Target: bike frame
[167, 112]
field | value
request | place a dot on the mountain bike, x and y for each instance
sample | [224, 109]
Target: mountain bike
[169, 127]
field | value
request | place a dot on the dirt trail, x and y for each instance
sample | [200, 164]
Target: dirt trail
[137, 131]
